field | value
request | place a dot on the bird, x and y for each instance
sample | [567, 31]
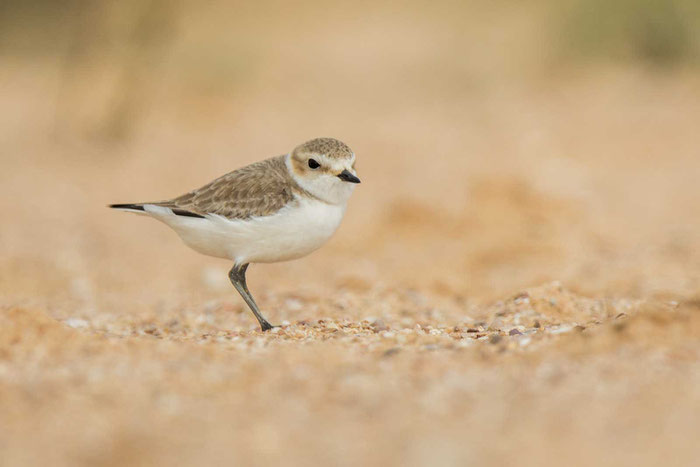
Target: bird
[273, 210]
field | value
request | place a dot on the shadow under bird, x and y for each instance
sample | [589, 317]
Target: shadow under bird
[274, 210]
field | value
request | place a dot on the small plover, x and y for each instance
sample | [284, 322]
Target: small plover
[274, 210]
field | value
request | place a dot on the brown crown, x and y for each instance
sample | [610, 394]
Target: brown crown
[329, 147]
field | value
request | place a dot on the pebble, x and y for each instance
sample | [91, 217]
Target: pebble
[379, 325]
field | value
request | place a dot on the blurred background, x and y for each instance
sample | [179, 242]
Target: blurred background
[502, 145]
[516, 142]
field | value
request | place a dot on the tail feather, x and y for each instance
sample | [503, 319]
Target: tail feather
[128, 207]
[139, 207]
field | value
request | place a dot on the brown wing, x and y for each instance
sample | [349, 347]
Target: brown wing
[259, 189]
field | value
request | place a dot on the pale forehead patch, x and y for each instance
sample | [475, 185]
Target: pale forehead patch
[329, 147]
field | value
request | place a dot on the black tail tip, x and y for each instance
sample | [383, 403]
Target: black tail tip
[134, 207]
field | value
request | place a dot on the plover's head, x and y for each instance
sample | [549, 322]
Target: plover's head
[325, 167]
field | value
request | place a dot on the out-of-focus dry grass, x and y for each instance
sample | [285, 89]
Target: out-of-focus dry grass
[517, 278]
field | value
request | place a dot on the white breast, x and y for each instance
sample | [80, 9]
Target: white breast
[295, 231]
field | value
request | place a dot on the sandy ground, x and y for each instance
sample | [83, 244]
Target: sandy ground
[517, 278]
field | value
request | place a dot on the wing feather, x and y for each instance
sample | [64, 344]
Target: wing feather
[259, 189]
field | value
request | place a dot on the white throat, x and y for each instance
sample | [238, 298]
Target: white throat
[328, 188]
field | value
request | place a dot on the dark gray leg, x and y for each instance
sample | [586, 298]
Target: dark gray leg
[237, 276]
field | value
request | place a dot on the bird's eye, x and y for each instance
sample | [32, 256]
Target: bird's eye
[313, 164]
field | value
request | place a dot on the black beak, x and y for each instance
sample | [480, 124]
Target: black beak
[346, 176]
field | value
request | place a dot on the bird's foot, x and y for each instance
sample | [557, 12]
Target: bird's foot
[265, 326]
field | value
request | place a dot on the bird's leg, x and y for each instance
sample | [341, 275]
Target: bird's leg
[237, 276]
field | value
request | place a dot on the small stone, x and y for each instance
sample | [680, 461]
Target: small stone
[514, 332]
[561, 329]
[379, 325]
[521, 296]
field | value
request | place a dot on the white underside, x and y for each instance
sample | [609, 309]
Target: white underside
[295, 231]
